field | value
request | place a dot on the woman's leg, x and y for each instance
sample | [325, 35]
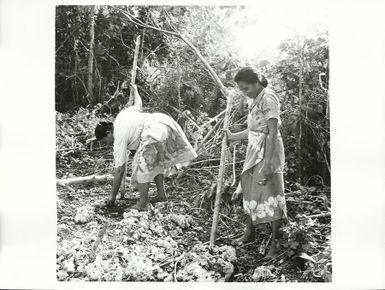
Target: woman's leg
[159, 181]
[275, 226]
[143, 190]
[249, 234]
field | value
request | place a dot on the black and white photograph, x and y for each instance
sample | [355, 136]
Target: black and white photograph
[150, 143]
[193, 143]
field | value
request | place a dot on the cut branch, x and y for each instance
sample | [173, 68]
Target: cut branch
[185, 115]
[101, 233]
[207, 136]
[213, 119]
[85, 179]
[320, 215]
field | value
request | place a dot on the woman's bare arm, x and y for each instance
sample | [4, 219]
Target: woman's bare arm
[118, 177]
[241, 135]
[272, 124]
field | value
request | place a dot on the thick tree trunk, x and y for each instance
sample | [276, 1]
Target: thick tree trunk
[90, 85]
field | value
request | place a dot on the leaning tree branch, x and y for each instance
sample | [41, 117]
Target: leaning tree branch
[169, 16]
[65, 40]
[136, 21]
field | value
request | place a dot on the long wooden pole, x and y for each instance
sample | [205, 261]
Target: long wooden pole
[134, 68]
[130, 103]
[221, 172]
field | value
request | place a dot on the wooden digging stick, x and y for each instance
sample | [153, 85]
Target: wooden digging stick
[234, 177]
[134, 68]
[130, 103]
[221, 171]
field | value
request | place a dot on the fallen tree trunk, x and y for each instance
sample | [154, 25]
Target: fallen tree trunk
[86, 179]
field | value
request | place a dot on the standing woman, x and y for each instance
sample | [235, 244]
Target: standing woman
[262, 175]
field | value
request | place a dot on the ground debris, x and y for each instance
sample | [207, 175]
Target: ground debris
[263, 273]
[84, 214]
[141, 246]
[206, 263]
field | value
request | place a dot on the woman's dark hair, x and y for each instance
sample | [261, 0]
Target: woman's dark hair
[102, 128]
[250, 75]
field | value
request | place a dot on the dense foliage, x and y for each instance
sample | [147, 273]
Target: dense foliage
[171, 79]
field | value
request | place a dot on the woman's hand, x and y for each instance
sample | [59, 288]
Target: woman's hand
[230, 136]
[88, 141]
[237, 193]
[133, 87]
[110, 202]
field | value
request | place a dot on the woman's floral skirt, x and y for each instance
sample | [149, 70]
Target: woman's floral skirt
[163, 149]
[264, 203]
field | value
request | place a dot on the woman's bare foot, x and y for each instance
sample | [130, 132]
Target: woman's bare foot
[248, 236]
[120, 196]
[161, 196]
[272, 252]
[140, 206]
[159, 199]
[110, 202]
[275, 227]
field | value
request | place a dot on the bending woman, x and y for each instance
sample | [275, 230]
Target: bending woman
[262, 175]
[160, 144]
